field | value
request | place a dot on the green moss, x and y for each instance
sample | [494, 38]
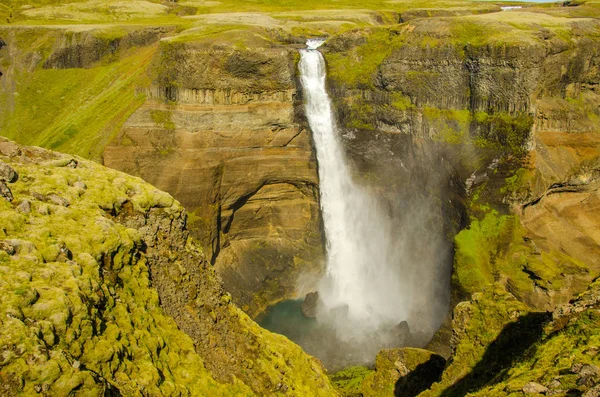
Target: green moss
[348, 382]
[503, 131]
[401, 102]
[357, 67]
[496, 248]
[451, 126]
[101, 314]
[525, 348]
[163, 119]
[491, 331]
[77, 111]
[517, 182]
[477, 248]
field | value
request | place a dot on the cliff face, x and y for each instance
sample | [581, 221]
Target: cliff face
[219, 131]
[512, 111]
[105, 293]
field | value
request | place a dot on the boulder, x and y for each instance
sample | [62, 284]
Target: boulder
[309, 306]
[24, 207]
[56, 199]
[7, 173]
[9, 149]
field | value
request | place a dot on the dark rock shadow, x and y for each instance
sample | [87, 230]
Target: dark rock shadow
[421, 378]
[510, 347]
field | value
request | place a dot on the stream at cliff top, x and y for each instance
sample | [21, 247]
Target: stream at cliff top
[375, 287]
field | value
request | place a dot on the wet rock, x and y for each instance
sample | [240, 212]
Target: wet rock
[9, 149]
[7, 173]
[5, 192]
[24, 207]
[534, 388]
[309, 306]
[402, 330]
[56, 199]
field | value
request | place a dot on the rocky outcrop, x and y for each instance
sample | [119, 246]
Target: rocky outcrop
[223, 137]
[551, 355]
[109, 295]
[407, 371]
[84, 48]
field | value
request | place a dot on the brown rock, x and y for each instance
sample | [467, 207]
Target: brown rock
[593, 392]
[9, 149]
[7, 247]
[534, 388]
[234, 154]
[24, 207]
[309, 306]
[5, 192]
[58, 200]
[7, 173]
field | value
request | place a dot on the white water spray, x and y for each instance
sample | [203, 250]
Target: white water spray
[364, 279]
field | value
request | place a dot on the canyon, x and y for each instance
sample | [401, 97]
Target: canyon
[475, 128]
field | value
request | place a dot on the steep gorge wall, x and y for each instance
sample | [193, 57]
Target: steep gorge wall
[507, 113]
[220, 131]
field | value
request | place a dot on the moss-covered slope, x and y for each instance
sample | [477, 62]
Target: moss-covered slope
[82, 250]
[502, 349]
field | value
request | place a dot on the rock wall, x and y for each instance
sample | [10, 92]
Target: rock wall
[220, 131]
[505, 114]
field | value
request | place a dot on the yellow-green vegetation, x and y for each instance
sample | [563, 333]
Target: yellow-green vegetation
[502, 347]
[75, 110]
[504, 132]
[558, 359]
[493, 331]
[451, 126]
[496, 248]
[77, 313]
[402, 371]
[357, 66]
[80, 312]
[349, 381]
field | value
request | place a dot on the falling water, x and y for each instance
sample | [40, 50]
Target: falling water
[363, 290]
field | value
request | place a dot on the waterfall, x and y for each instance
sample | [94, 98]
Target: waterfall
[363, 289]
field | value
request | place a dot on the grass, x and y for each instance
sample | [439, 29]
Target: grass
[77, 111]
[357, 67]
